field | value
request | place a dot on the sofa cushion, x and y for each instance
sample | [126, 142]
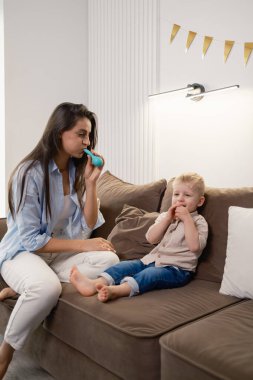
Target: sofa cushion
[219, 346]
[128, 236]
[215, 211]
[238, 272]
[122, 335]
[114, 193]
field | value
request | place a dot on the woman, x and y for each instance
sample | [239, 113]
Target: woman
[53, 210]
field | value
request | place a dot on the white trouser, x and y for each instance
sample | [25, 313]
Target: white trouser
[36, 277]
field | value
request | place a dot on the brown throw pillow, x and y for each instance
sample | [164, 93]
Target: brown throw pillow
[114, 193]
[128, 236]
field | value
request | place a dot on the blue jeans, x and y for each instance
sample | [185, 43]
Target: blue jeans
[143, 278]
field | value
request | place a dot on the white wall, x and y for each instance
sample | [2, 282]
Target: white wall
[213, 136]
[46, 63]
[122, 72]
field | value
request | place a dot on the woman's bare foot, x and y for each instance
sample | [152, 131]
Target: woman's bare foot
[7, 293]
[107, 293]
[83, 284]
[6, 353]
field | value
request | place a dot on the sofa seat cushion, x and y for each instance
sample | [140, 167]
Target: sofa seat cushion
[123, 335]
[219, 346]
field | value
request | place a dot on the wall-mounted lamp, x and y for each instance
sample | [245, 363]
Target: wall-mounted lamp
[199, 92]
[194, 91]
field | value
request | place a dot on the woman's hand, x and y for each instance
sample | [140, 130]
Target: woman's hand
[77, 245]
[97, 244]
[92, 173]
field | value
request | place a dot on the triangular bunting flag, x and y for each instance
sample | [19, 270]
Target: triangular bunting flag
[190, 38]
[248, 47]
[206, 44]
[175, 29]
[227, 49]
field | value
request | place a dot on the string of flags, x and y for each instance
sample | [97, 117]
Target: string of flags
[228, 44]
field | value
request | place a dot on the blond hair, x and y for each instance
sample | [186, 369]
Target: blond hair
[194, 179]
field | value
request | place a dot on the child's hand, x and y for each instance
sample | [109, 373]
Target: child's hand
[171, 212]
[181, 212]
[178, 211]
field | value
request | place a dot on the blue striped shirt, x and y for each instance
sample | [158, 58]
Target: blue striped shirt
[31, 230]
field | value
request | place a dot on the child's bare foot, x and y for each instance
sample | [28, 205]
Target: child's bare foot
[83, 284]
[7, 293]
[107, 293]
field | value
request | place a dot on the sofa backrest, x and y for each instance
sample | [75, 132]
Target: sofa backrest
[3, 227]
[215, 211]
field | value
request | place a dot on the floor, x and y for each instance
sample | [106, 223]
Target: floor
[23, 368]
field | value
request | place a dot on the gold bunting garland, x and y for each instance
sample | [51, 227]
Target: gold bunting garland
[228, 44]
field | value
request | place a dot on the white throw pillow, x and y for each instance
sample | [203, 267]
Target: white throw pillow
[238, 272]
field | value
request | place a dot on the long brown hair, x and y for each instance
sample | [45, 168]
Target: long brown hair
[64, 117]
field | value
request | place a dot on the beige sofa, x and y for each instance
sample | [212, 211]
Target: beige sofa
[192, 332]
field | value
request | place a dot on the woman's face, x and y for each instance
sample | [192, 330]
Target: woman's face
[75, 140]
